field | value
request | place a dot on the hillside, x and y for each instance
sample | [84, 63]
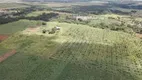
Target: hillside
[7, 1]
[17, 26]
[76, 52]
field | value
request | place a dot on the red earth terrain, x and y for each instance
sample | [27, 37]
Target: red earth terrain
[3, 37]
[7, 55]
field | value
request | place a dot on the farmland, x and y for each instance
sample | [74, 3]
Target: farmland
[17, 26]
[71, 41]
[13, 5]
[3, 50]
[76, 52]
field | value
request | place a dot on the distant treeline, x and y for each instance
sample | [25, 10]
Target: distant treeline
[127, 6]
[42, 17]
[20, 14]
[96, 9]
[117, 8]
[57, 0]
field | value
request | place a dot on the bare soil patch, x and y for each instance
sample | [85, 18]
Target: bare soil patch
[32, 29]
[3, 37]
[7, 55]
[139, 35]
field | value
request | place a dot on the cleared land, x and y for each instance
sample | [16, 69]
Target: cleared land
[77, 52]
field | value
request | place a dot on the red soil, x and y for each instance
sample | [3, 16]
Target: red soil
[3, 37]
[32, 29]
[7, 55]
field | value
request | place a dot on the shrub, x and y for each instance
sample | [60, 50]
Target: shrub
[43, 23]
[44, 31]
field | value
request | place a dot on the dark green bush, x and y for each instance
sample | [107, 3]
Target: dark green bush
[44, 31]
[43, 23]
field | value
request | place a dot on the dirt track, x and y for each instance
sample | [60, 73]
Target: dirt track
[7, 55]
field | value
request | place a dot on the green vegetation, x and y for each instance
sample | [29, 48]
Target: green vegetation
[76, 52]
[15, 14]
[13, 5]
[18, 26]
[106, 21]
[36, 13]
[71, 41]
[3, 50]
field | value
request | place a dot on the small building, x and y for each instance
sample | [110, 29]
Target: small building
[57, 28]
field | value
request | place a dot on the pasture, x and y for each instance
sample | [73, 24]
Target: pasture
[77, 52]
[13, 5]
[20, 25]
[3, 50]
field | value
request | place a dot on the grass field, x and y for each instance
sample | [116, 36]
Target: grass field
[12, 5]
[3, 50]
[20, 25]
[77, 52]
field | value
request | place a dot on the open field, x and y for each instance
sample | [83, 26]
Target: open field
[54, 4]
[3, 50]
[13, 5]
[77, 52]
[7, 55]
[13, 27]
